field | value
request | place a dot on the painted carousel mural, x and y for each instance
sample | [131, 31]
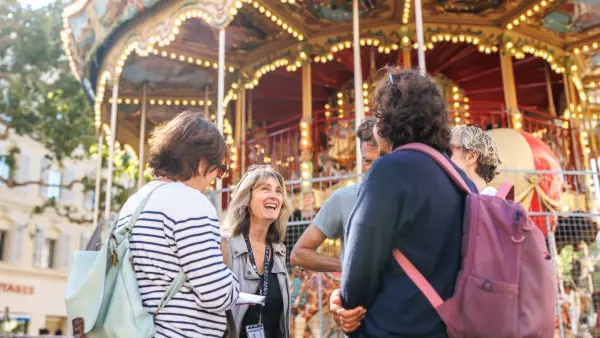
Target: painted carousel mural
[278, 77]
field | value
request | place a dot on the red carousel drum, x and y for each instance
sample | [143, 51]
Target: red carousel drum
[526, 158]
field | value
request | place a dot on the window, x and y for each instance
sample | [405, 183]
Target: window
[90, 200]
[54, 182]
[3, 243]
[4, 170]
[49, 254]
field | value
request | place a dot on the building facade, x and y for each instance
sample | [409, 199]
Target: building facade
[35, 249]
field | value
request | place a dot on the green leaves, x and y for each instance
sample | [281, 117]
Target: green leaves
[44, 100]
[40, 98]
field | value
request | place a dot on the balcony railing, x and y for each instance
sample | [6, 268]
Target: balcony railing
[334, 144]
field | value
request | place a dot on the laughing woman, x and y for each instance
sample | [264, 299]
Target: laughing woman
[253, 248]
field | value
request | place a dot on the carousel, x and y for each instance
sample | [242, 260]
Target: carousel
[287, 80]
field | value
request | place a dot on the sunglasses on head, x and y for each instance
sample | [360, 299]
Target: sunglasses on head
[222, 171]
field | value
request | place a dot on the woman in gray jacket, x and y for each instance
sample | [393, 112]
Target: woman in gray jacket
[253, 249]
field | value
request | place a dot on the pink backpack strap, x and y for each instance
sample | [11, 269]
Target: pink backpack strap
[506, 191]
[432, 296]
[441, 160]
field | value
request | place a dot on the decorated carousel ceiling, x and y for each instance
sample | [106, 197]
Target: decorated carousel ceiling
[487, 8]
[172, 45]
[248, 31]
[329, 12]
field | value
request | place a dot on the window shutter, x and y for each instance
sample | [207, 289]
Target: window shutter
[38, 245]
[2, 165]
[18, 241]
[68, 195]
[45, 168]
[24, 170]
[64, 254]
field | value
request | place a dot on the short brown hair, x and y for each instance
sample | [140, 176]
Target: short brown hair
[364, 132]
[178, 146]
[410, 108]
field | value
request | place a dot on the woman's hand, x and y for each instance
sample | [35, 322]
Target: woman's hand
[347, 320]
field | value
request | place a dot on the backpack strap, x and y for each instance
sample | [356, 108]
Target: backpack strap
[441, 160]
[432, 296]
[506, 191]
[413, 273]
[175, 286]
[179, 280]
[138, 211]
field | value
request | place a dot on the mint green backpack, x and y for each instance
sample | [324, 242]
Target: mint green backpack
[102, 294]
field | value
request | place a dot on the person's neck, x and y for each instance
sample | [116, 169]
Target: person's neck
[195, 183]
[257, 233]
[479, 182]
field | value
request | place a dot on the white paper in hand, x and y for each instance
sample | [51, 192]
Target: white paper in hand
[250, 299]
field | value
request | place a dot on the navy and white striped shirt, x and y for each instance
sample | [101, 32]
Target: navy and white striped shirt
[179, 229]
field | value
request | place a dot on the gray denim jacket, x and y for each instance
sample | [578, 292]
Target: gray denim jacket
[239, 263]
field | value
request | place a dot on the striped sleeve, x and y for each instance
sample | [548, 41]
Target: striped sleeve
[199, 250]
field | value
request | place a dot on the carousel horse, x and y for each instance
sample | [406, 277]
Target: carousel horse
[305, 300]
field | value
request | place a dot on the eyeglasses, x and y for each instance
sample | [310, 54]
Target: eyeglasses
[222, 171]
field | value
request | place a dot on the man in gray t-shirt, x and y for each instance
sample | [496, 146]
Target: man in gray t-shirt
[330, 220]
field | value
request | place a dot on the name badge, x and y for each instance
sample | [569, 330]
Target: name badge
[255, 331]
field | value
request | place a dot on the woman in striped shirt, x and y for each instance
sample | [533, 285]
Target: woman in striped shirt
[179, 229]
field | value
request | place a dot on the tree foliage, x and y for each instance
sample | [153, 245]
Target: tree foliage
[41, 99]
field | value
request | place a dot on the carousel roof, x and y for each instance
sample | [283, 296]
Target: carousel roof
[172, 46]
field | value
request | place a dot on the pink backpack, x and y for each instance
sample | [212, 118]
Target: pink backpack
[505, 286]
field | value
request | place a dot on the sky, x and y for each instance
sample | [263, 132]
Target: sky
[35, 3]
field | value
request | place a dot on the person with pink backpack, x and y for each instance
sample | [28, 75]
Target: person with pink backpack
[426, 255]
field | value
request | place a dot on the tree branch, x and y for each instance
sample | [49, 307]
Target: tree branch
[11, 183]
[5, 134]
[63, 211]
[66, 213]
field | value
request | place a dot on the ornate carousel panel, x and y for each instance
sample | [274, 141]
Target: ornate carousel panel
[574, 16]
[486, 9]
[96, 20]
[470, 6]
[326, 13]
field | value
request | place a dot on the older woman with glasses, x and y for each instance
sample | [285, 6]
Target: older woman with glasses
[253, 248]
[178, 230]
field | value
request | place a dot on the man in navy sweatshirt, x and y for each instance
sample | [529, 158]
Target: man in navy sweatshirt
[407, 202]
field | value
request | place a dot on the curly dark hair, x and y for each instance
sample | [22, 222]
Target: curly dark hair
[178, 146]
[364, 132]
[410, 107]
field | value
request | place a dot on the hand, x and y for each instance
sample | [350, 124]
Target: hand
[347, 320]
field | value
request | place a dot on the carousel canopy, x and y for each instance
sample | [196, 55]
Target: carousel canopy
[171, 45]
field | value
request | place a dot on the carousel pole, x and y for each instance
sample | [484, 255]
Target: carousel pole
[221, 81]
[111, 147]
[98, 179]
[358, 97]
[406, 58]
[142, 135]
[220, 108]
[206, 115]
[250, 125]
[549, 92]
[420, 38]
[242, 154]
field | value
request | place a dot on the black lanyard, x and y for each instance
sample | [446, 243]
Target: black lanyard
[265, 280]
